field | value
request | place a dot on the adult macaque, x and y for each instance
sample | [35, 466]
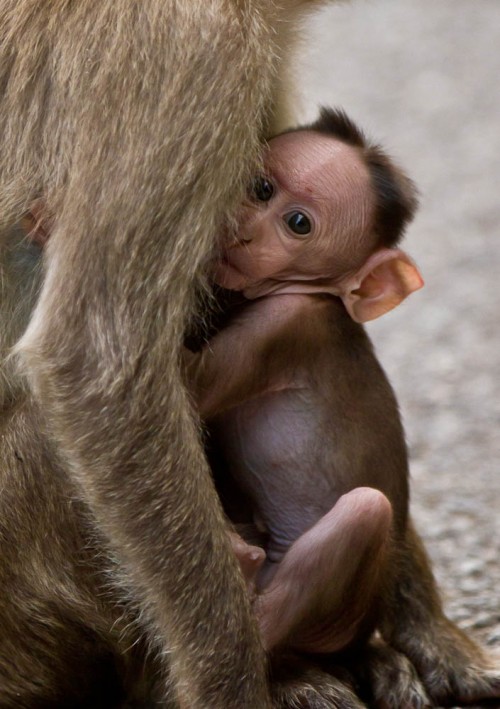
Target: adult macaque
[139, 125]
[305, 420]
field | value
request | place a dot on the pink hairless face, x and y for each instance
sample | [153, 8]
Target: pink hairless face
[306, 217]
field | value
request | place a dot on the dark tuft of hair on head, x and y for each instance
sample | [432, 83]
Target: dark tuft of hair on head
[336, 123]
[395, 193]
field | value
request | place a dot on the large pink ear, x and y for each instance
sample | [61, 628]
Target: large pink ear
[384, 280]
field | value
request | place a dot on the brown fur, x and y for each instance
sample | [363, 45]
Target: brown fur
[301, 416]
[425, 659]
[139, 124]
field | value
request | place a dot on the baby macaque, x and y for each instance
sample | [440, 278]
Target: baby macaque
[296, 403]
[303, 418]
[308, 443]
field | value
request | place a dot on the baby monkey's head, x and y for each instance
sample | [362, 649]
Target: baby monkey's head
[327, 203]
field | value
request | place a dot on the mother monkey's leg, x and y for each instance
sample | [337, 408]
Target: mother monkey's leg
[139, 124]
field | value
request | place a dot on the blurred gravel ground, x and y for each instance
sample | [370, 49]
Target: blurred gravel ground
[423, 77]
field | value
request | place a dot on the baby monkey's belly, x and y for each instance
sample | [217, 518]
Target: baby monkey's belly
[276, 448]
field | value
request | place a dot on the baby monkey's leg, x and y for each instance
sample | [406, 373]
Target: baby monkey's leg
[324, 588]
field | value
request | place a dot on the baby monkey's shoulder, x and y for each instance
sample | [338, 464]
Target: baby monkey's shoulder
[294, 307]
[311, 321]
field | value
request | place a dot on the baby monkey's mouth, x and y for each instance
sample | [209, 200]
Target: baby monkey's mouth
[223, 272]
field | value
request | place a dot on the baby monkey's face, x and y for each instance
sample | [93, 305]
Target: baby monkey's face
[304, 217]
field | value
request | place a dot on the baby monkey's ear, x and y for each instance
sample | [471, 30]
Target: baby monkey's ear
[383, 281]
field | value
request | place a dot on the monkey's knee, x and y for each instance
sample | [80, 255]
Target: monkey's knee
[323, 591]
[366, 512]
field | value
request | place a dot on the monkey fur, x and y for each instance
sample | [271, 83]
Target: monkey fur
[140, 125]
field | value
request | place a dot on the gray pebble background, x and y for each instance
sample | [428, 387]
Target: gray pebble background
[423, 78]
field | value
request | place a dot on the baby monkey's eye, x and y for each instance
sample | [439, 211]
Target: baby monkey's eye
[299, 223]
[263, 189]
